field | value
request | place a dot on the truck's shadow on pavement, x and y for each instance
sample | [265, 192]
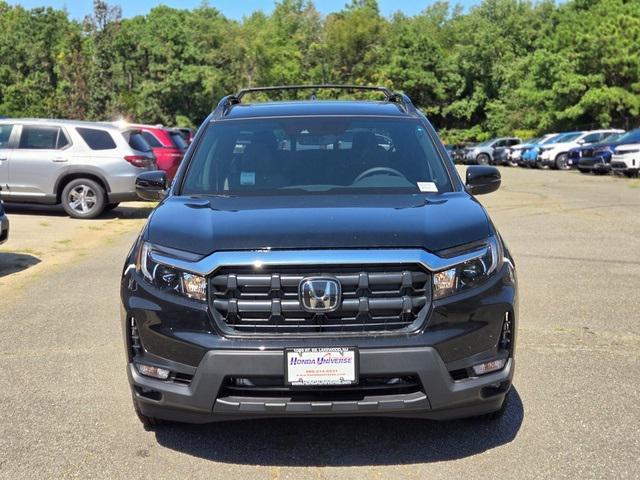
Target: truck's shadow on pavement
[16, 262]
[343, 442]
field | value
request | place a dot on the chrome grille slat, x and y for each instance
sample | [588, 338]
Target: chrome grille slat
[375, 299]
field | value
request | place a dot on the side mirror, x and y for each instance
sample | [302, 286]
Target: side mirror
[152, 186]
[581, 142]
[482, 179]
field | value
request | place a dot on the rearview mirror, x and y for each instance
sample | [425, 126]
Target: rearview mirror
[482, 179]
[152, 186]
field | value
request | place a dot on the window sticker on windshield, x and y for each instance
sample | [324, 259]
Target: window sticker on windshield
[247, 178]
[428, 187]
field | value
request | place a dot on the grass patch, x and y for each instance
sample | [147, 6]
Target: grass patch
[66, 241]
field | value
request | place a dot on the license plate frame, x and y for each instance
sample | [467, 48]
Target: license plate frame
[342, 375]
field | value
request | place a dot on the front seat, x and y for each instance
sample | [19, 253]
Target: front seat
[260, 166]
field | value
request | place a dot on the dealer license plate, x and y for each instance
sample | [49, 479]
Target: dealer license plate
[321, 366]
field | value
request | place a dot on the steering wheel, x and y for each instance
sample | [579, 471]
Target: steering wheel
[375, 170]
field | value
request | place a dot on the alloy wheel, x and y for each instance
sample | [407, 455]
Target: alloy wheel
[82, 199]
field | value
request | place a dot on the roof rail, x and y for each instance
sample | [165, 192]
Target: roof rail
[389, 95]
[227, 102]
[224, 104]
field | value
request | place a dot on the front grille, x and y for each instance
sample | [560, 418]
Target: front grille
[375, 298]
[618, 165]
[274, 387]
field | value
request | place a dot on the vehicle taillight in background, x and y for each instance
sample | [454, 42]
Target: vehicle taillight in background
[138, 160]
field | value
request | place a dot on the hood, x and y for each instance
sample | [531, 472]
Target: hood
[522, 146]
[625, 147]
[600, 145]
[618, 144]
[204, 225]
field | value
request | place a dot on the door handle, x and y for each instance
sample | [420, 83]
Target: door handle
[60, 160]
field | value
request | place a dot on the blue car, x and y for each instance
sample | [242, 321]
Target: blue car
[596, 158]
[529, 156]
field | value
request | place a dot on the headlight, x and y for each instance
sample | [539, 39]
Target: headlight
[469, 274]
[168, 278]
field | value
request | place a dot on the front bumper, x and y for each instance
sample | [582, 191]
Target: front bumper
[459, 331]
[626, 163]
[596, 164]
[442, 398]
[546, 158]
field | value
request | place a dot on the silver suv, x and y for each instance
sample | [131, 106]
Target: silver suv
[87, 167]
[488, 152]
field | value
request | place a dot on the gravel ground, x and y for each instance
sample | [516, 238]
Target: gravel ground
[65, 409]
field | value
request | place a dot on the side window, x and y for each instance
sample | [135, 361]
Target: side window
[151, 139]
[35, 137]
[97, 139]
[594, 137]
[513, 141]
[499, 143]
[5, 134]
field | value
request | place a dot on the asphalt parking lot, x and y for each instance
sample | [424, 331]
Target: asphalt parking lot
[65, 408]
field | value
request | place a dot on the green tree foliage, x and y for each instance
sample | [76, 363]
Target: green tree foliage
[504, 66]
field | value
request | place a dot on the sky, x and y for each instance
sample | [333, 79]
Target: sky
[235, 9]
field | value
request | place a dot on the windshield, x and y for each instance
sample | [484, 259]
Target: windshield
[632, 136]
[566, 137]
[550, 139]
[486, 143]
[613, 137]
[305, 155]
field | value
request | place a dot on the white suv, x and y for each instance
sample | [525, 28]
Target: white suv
[626, 159]
[87, 167]
[555, 155]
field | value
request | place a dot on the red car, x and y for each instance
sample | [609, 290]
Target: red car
[168, 146]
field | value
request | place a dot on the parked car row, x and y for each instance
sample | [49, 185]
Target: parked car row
[87, 167]
[597, 151]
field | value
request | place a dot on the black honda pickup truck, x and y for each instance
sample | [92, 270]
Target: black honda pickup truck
[318, 258]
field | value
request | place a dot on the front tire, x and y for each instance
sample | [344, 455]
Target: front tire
[483, 159]
[561, 162]
[83, 198]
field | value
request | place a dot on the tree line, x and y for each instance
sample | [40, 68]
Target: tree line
[502, 67]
